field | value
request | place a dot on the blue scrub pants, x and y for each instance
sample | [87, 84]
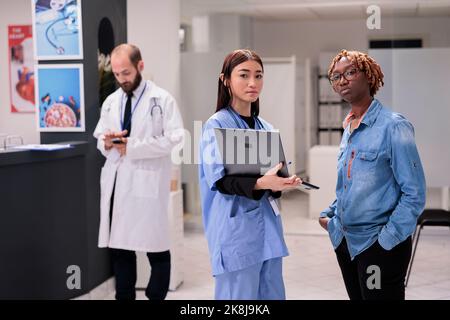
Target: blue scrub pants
[262, 281]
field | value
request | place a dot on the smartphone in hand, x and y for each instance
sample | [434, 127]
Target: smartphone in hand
[307, 186]
[116, 140]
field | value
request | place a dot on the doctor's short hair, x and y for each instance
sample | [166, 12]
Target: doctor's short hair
[232, 60]
[364, 63]
[133, 52]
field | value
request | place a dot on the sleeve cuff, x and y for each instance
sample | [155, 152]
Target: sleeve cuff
[276, 194]
[386, 240]
[258, 194]
[326, 214]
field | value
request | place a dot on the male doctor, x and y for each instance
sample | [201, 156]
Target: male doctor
[139, 125]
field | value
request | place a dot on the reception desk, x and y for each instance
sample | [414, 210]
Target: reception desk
[49, 215]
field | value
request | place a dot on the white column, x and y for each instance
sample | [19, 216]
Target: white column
[153, 26]
[445, 198]
[200, 34]
[221, 33]
[308, 109]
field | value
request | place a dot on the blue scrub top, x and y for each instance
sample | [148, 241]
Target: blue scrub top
[240, 231]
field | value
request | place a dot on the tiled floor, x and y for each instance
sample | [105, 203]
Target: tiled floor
[311, 270]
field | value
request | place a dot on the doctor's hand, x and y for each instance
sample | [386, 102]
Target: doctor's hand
[122, 147]
[114, 139]
[270, 181]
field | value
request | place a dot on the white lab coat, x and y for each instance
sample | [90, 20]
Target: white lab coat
[142, 188]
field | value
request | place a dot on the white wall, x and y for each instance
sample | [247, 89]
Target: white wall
[221, 33]
[153, 26]
[309, 38]
[199, 79]
[229, 32]
[16, 12]
[277, 105]
[425, 106]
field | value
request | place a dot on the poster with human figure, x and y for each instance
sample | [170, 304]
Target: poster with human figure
[21, 68]
[57, 29]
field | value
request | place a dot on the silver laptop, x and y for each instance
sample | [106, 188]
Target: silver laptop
[252, 152]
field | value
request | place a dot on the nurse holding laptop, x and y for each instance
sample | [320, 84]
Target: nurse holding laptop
[240, 216]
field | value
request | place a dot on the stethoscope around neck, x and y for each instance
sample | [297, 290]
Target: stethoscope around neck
[154, 112]
[238, 123]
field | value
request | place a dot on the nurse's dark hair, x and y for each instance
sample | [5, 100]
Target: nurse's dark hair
[233, 59]
[364, 63]
[133, 52]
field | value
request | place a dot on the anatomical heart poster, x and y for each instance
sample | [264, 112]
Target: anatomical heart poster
[21, 68]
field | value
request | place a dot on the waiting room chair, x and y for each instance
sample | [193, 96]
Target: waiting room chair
[429, 217]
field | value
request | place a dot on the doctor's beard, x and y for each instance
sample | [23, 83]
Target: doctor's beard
[129, 87]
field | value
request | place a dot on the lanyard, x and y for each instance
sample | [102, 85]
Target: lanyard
[132, 109]
[238, 123]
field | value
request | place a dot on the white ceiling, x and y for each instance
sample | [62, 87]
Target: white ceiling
[315, 9]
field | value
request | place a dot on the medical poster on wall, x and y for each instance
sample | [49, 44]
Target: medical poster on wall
[21, 68]
[57, 29]
[60, 97]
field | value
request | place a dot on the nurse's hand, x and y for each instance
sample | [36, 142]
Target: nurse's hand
[270, 181]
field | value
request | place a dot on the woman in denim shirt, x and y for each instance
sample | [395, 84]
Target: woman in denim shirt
[380, 189]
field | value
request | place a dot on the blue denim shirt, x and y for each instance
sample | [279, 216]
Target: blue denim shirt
[380, 189]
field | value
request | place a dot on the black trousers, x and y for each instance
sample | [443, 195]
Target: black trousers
[124, 267]
[376, 273]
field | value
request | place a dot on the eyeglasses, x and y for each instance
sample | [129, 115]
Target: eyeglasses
[348, 75]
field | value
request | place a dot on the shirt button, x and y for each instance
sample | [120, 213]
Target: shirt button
[344, 228]
[345, 187]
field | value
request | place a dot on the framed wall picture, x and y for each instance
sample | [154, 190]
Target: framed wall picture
[60, 97]
[57, 29]
[21, 68]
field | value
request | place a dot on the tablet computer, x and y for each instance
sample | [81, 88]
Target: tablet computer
[253, 152]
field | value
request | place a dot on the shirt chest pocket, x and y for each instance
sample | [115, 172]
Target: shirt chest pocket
[367, 155]
[366, 161]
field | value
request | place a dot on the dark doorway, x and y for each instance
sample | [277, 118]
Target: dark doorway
[107, 83]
